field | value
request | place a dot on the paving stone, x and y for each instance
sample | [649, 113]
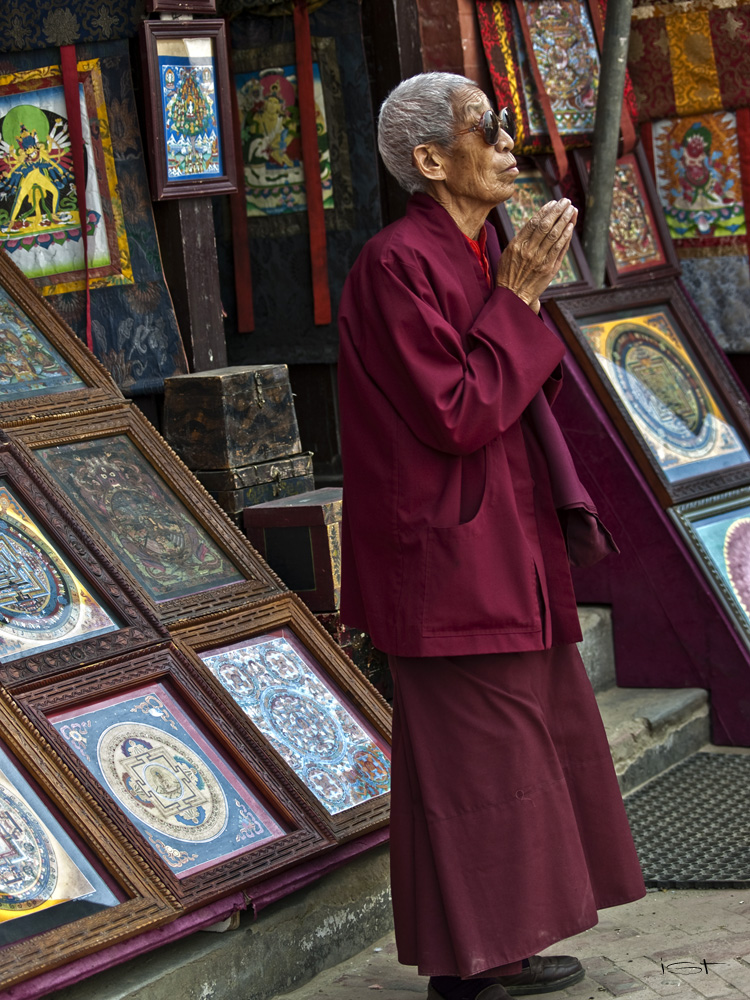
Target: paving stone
[623, 956]
[737, 974]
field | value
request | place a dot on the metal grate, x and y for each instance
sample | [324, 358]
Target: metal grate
[691, 825]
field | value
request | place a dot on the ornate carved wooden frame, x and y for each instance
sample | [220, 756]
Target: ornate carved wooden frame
[260, 582]
[148, 902]
[686, 517]
[99, 573]
[655, 272]
[569, 313]
[192, 687]
[161, 186]
[288, 611]
[501, 219]
[99, 389]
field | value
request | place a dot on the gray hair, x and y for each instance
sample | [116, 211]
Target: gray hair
[420, 109]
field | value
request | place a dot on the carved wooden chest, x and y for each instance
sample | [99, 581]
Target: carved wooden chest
[236, 489]
[231, 418]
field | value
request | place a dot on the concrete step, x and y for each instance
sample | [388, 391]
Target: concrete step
[650, 729]
[289, 943]
[597, 649]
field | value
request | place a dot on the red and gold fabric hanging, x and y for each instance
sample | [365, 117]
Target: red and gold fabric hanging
[690, 58]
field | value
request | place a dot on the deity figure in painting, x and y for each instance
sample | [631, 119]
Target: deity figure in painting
[700, 181]
[566, 59]
[34, 172]
[277, 125]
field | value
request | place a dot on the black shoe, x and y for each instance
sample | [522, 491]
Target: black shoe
[544, 975]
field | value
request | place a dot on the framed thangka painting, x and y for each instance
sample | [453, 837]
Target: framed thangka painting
[298, 694]
[274, 176]
[188, 108]
[174, 774]
[699, 182]
[667, 387]
[62, 602]
[717, 531]
[640, 246]
[532, 189]
[43, 365]
[69, 884]
[40, 223]
[156, 521]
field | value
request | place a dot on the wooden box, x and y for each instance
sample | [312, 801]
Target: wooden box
[236, 489]
[300, 539]
[230, 418]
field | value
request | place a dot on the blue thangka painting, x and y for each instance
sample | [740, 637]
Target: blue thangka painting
[191, 123]
[29, 364]
[190, 803]
[304, 718]
[45, 878]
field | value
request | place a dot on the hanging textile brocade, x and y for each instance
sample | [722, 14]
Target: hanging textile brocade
[690, 66]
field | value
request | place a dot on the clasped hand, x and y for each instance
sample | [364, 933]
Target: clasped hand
[534, 255]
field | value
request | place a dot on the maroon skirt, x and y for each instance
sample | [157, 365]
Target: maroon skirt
[508, 830]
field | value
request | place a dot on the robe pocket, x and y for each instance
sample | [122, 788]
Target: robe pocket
[480, 578]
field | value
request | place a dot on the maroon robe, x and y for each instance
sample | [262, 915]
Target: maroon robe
[508, 829]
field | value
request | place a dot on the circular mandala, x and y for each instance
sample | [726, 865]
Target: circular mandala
[235, 677]
[326, 786]
[162, 782]
[303, 724]
[661, 389]
[737, 560]
[373, 767]
[282, 665]
[38, 596]
[28, 867]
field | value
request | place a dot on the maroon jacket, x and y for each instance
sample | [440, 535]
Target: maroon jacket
[451, 541]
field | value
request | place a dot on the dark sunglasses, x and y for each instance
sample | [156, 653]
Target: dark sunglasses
[490, 124]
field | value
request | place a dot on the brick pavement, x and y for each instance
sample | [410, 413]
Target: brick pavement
[684, 945]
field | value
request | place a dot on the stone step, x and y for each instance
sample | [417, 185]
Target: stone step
[650, 729]
[597, 649]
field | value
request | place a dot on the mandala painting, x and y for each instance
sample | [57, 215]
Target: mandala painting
[29, 364]
[566, 54]
[191, 805]
[298, 710]
[698, 177]
[43, 604]
[146, 526]
[40, 224]
[665, 393]
[45, 881]
[187, 76]
[633, 237]
[725, 537]
[530, 193]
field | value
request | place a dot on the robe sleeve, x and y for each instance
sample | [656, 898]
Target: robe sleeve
[455, 391]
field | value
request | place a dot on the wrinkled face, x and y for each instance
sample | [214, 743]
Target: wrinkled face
[475, 170]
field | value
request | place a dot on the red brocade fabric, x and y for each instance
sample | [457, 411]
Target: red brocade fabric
[508, 830]
[690, 59]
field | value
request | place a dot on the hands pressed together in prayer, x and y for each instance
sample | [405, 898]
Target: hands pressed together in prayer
[534, 255]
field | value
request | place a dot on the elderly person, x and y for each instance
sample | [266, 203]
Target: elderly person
[462, 509]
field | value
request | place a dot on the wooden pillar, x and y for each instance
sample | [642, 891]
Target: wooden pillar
[187, 238]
